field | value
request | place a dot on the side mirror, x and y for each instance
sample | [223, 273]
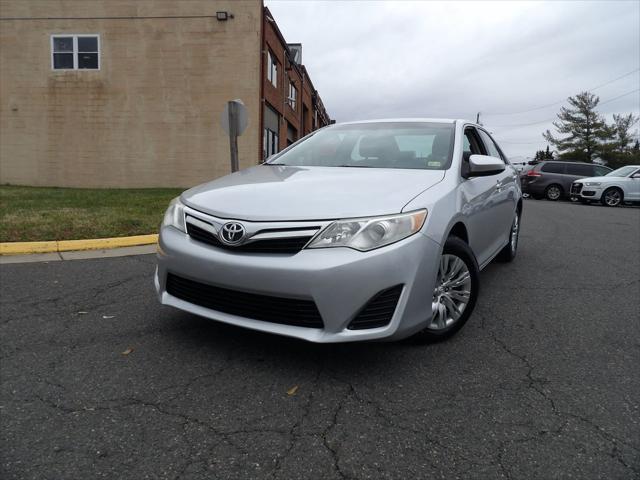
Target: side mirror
[484, 165]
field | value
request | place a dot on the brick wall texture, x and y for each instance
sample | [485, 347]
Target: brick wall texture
[150, 116]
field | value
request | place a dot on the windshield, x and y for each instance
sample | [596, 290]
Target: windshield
[621, 172]
[374, 145]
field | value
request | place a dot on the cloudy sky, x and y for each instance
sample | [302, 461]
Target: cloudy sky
[515, 62]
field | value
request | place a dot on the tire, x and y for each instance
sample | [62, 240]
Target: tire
[553, 192]
[612, 197]
[508, 253]
[442, 324]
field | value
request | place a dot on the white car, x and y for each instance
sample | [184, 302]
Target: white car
[621, 185]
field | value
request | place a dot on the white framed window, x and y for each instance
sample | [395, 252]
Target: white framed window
[75, 52]
[269, 143]
[272, 69]
[293, 95]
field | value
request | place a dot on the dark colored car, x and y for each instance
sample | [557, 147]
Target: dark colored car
[552, 179]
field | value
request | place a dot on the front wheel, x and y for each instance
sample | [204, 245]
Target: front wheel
[455, 292]
[612, 197]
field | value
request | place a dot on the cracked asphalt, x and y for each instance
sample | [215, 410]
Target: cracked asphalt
[542, 383]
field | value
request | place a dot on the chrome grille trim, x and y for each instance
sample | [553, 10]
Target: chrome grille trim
[256, 231]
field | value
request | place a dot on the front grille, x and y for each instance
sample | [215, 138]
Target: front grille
[286, 311]
[576, 188]
[271, 245]
[378, 311]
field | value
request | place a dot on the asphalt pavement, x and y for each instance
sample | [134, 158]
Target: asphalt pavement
[99, 381]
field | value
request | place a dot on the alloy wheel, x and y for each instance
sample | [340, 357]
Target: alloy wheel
[553, 193]
[515, 231]
[612, 198]
[452, 292]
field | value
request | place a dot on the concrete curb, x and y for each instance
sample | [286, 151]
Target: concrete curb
[57, 246]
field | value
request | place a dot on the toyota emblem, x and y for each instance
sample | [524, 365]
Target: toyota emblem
[232, 233]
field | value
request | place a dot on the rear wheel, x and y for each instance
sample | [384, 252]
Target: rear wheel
[455, 293]
[508, 253]
[612, 197]
[553, 192]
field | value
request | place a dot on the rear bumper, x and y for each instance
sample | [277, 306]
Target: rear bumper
[532, 188]
[339, 280]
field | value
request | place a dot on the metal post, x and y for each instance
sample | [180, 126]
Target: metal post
[233, 135]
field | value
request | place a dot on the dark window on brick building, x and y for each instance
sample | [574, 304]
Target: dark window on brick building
[75, 52]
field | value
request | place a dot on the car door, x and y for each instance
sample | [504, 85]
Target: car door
[480, 201]
[506, 196]
[576, 171]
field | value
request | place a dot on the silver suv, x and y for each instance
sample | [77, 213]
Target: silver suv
[359, 231]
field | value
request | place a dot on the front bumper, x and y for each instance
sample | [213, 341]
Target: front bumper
[585, 191]
[339, 280]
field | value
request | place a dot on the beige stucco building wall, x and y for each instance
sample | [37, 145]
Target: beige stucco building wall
[150, 116]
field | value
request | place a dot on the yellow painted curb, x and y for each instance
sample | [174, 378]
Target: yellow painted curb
[23, 248]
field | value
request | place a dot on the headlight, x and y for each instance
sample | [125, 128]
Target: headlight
[174, 215]
[593, 184]
[368, 233]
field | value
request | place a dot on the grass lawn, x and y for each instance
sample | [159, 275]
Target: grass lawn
[43, 213]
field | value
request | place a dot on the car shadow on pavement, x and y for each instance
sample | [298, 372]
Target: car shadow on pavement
[201, 333]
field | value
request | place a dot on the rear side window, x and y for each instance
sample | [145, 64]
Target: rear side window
[553, 168]
[580, 169]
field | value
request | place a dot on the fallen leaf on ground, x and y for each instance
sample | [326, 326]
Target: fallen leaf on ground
[82, 312]
[106, 317]
[292, 390]
[127, 351]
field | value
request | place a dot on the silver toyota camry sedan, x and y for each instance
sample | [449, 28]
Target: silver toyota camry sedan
[359, 231]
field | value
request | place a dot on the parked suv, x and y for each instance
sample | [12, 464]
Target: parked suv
[621, 185]
[359, 231]
[553, 179]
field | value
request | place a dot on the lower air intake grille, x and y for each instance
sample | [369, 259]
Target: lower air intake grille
[379, 310]
[272, 245]
[286, 311]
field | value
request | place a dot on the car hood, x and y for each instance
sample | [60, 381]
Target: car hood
[269, 192]
[595, 179]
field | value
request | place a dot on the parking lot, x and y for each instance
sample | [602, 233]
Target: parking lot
[100, 381]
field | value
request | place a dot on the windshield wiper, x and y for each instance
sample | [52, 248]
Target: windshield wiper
[355, 166]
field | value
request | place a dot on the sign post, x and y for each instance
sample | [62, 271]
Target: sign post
[234, 122]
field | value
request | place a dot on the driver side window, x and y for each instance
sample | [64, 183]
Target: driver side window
[491, 147]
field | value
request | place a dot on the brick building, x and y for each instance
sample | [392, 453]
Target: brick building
[114, 93]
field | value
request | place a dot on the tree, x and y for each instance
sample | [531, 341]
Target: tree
[622, 131]
[586, 130]
[548, 155]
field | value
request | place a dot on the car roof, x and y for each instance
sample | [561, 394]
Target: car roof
[567, 161]
[407, 120]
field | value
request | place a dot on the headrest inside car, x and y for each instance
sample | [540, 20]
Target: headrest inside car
[376, 146]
